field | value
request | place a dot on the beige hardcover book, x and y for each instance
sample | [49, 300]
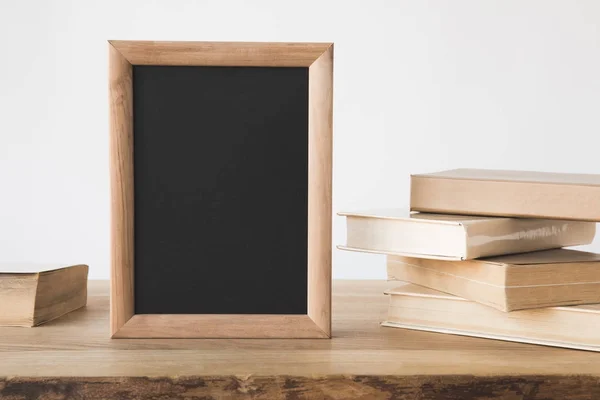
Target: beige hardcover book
[540, 279]
[415, 307]
[457, 237]
[33, 294]
[508, 193]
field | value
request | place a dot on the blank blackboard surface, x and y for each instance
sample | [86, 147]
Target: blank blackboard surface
[220, 190]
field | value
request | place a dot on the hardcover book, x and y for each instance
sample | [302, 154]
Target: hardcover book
[548, 278]
[457, 237]
[31, 295]
[508, 193]
[416, 307]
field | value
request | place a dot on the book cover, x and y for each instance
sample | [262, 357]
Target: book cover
[457, 237]
[530, 280]
[419, 308]
[508, 193]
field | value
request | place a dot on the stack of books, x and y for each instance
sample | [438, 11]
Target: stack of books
[481, 253]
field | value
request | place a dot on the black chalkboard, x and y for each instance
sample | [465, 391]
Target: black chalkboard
[220, 190]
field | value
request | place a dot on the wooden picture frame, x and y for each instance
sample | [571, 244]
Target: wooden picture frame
[318, 57]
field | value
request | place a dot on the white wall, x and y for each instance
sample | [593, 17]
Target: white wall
[419, 86]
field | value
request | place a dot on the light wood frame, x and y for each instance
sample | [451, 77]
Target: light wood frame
[318, 57]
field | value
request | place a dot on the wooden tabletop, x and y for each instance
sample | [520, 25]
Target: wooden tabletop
[75, 353]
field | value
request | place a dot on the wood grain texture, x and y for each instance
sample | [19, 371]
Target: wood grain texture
[320, 153]
[233, 54]
[220, 326]
[362, 387]
[77, 345]
[121, 181]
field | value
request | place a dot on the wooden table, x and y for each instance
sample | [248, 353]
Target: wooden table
[73, 357]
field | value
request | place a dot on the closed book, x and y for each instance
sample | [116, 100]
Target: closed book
[415, 307]
[548, 278]
[508, 193]
[32, 294]
[456, 237]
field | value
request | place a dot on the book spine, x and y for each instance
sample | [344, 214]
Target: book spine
[503, 198]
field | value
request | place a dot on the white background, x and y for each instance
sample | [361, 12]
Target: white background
[420, 86]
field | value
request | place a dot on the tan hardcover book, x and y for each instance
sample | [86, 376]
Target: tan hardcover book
[508, 193]
[456, 237]
[547, 278]
[415, 307]
[31, 294]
